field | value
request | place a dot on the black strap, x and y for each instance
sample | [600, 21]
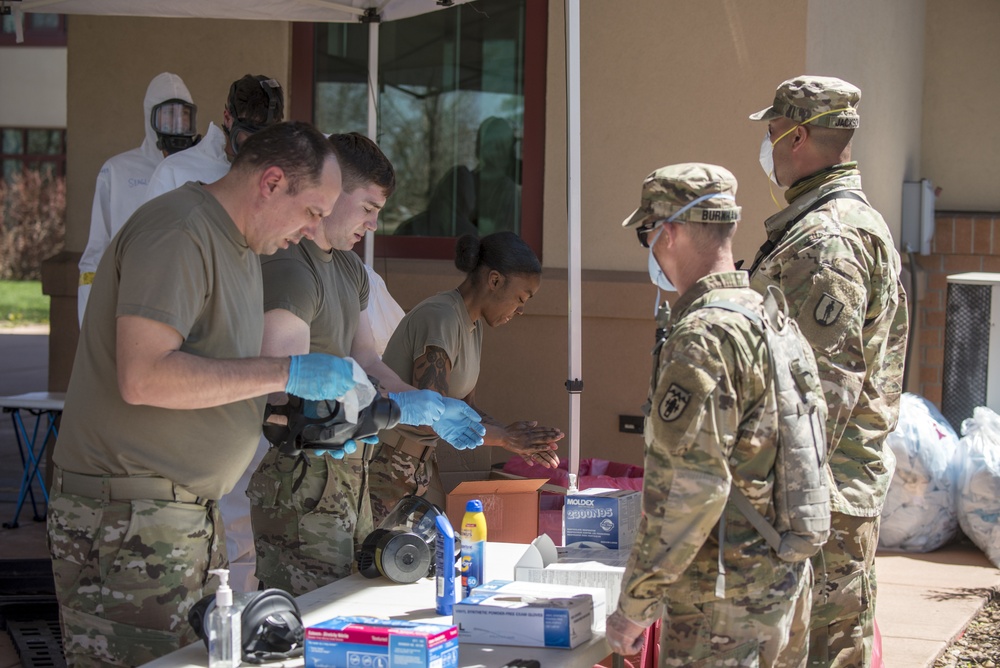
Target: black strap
[770, 244]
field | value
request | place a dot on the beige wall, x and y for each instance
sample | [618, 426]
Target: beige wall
[23, 103]
[112, 60]
[961, 136]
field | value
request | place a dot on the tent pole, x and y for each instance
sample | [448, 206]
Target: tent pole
[372, 118]
[575, 383]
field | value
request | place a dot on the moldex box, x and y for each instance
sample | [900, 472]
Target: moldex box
[602, 518]
[368, 642]
[541, 620]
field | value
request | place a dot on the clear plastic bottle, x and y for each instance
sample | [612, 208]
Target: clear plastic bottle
[225, 647]
[473, 546]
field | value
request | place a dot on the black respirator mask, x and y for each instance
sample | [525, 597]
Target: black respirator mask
[402, 547]
[270, 624]
[323, 425]
[175, 123]
[241, 129]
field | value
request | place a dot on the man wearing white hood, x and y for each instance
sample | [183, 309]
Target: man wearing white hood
[124, 178]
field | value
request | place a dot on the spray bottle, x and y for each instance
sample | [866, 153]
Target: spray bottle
[225, 646]
[444, 565]
[473, 546]
[571, 490]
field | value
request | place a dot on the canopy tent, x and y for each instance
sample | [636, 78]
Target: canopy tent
[372, 12]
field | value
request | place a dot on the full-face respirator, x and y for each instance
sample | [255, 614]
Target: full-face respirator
[402, 547]
[271, 624]
[324, 425]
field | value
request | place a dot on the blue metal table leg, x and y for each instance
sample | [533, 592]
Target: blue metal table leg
[30, 461]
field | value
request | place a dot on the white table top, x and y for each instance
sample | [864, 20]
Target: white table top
[380, 597]
[40, 401]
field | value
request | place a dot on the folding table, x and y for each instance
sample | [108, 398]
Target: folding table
[45, 406]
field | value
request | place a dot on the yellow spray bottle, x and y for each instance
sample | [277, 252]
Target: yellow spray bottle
[473, 546]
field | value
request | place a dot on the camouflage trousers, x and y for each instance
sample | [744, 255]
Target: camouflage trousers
[306, 537]
[127, 573]
[843, 618]
[394, 474]
[771, 629]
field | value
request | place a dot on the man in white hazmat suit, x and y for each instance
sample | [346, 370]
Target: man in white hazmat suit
[123, 180]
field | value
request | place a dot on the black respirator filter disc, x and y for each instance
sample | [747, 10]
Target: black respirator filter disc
[403, 557]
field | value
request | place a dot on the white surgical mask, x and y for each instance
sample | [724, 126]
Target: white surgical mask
[767, 158]
[656, 275]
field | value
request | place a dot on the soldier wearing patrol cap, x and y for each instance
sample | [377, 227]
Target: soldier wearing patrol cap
[711, 424]
[832, 255]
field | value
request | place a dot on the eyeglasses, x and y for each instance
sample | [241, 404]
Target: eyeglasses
[643, 231]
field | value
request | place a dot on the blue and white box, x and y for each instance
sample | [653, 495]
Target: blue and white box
[489, 617]
[600, 517]
[369, 642]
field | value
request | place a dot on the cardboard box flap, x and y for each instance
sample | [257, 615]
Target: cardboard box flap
[473, 487]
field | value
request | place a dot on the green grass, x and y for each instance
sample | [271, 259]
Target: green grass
[22, 303]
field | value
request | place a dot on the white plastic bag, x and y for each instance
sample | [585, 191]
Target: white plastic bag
[979, 484]
[383, 311]
[919, 512]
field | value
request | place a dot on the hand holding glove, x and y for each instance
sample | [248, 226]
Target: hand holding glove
[460, 425]
[419, 407]
[319, 376]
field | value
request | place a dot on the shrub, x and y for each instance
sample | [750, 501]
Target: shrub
[33, 223]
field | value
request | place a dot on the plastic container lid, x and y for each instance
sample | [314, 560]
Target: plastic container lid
[474, 506]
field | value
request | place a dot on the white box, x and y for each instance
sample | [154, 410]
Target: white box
[578, 567]
[525, 620]
[602, 517]
[520, 588]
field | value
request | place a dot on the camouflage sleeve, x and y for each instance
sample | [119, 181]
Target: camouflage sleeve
[825, 287]
[689, 434]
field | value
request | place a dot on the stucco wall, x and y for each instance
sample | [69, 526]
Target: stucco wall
[23, 103]
[961, 138]
[112, 60]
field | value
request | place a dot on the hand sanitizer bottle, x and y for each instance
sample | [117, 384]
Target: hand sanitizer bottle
[225, 646]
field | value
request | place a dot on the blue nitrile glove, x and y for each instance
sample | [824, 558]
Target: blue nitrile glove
[349, 448]
[319, 376]
[418, 407]
[460, 425]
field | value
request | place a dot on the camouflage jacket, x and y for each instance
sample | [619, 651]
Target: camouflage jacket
[709, 426]
[840, 274]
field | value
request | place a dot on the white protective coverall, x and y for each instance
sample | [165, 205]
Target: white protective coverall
[123, 182]
[205, 162]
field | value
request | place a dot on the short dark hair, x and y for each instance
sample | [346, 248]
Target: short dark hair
[504, 252]
[255, 100]
[297, 148]
[362, 162]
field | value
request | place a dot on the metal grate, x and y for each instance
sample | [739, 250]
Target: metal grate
[966, 351]
[33, 627]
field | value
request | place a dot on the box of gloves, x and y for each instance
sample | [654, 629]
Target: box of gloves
[369, 641]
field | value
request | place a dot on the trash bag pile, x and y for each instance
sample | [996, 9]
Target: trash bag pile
[919, 514]
[978, 500]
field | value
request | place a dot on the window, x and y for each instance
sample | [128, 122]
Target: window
[461, 104]
[32, 148]
[39, 30]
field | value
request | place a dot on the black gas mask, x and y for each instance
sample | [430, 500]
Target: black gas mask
[270, 624]
[240, 129]
[175, 123]
[323, 425]
[402, 547]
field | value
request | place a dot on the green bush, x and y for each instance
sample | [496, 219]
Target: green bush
[22, 302]
[33, 224]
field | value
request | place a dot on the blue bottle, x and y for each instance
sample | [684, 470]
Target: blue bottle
[444, 565]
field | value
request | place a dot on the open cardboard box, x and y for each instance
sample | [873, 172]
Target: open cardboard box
[510, 506]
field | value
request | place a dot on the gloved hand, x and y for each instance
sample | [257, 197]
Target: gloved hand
[624, 636]
[319, 376]
[349, 448]
[460, 425]
[418, 407]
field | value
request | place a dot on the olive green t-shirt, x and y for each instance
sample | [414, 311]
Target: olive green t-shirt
[179, 260]
[328, 291]
[442, 321]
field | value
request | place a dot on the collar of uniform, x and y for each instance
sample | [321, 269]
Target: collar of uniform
[226, 222]
[705, 284]
[315, 252]
[463, 310]
[845, 176]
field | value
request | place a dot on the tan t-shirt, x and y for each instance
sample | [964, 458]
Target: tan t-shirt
[179, 260]
[326, 290]
[442, 321]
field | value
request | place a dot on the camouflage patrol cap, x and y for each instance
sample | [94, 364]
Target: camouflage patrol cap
[804, 97]
[670, 191]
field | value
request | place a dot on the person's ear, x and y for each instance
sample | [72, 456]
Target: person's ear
[495, 279]
[799, 136]
[272, 180]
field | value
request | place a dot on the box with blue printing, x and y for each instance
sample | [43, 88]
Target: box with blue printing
[602, 517]
[369, 642]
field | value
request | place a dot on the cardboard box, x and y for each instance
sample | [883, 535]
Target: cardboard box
[520, 588]
[579, 567]
[602, 517]
[344, 642]
[562, 620]
[510, 506]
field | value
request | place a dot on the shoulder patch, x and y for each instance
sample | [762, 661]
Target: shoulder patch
[674, 402]
[828, 310]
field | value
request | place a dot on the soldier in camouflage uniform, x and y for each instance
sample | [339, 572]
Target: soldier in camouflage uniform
[711, 423]
[832, 255]
[308, 522]
[166, 398]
